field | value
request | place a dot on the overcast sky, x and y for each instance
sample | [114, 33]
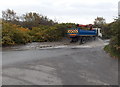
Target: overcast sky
[75, 11]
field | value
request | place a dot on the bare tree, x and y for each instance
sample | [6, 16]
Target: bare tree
[9, 15]
[99, 21]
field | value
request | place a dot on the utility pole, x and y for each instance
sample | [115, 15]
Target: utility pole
[119, 9]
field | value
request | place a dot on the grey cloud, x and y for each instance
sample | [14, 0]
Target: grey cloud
[64, 11]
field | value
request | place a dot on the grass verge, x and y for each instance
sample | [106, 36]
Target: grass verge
[112, 51]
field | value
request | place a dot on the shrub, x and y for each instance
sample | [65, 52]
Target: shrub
[7, 41]
[114, 46]
[47, 33]
[12, 34]
[20, 37]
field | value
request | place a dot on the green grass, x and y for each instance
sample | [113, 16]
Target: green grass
[112, 51]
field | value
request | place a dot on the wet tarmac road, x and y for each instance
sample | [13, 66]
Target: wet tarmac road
[86, 64]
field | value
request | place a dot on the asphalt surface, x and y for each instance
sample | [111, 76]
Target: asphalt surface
[86, 64]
